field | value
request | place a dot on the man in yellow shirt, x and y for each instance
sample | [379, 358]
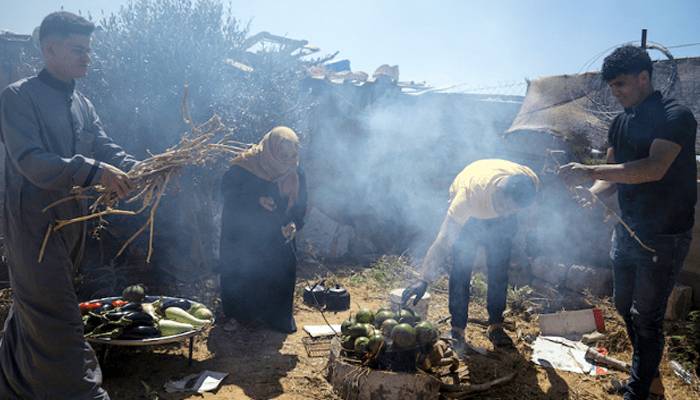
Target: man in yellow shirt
[484, 199]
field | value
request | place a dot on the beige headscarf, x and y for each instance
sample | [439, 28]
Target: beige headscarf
[275, 159]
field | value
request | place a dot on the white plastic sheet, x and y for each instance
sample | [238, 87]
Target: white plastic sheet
[205, 381]
[563, 354]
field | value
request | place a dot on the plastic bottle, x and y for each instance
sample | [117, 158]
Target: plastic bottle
[682, 373]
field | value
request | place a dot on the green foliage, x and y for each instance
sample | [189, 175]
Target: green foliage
[518, 298]
[478, 287]
[684, 342]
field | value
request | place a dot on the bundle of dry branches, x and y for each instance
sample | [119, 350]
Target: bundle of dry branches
[151, 176]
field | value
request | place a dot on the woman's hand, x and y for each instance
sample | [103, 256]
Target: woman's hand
[267, 203]
[289, 231]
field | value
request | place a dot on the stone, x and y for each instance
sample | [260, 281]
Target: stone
[519, 275]
[325, 237]
[581, 278]
[544, 288]
[679, 303]
[593, 338]
[548, 271]
[349, 383]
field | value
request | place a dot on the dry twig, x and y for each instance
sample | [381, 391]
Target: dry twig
[608, 210]
[151, 176]
[464, 391]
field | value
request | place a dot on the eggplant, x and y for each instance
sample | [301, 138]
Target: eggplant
[139, 318]
[179, 303]
[139, 332]
[131, 307]
[116, 315]
[91, 322]
[105, 307]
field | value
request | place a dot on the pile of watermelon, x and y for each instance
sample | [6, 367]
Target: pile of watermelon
[386, 339]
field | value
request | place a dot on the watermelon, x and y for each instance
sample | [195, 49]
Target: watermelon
[375, 344]
[407, 316]
[387, 326]
[370, 329]
[358, 330]
[361, 344]
[403, 336]
[345, 326]
[364, 316]
[347, 342]
[426, 333]
[382, 316]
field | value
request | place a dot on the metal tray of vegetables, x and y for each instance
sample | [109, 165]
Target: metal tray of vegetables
[135, 319]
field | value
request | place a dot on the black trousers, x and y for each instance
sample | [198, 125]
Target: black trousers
[643, 281]
[496, 235]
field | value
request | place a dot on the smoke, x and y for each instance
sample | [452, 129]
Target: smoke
[377, 160]
[385, 164]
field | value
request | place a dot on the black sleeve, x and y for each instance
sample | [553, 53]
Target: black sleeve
[298, 211]
[241, 210]
[612, 132]
[679, 127]
[239, 186]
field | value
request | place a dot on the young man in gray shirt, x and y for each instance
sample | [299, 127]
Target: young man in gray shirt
[53, 142]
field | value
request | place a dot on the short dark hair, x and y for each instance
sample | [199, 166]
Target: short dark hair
[626, 60]
[64, 23]
[521, 189]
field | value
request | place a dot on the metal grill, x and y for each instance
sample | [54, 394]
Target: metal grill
[317, 347]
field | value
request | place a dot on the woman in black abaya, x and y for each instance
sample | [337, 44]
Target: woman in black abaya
[264, 197]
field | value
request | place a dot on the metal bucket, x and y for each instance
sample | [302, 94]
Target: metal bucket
[420, 309]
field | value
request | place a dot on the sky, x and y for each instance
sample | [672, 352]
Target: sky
[481, 46]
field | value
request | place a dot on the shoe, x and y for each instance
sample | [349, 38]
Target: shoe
[459, 345]
[656, 391]
[617, 387]
[499, 337]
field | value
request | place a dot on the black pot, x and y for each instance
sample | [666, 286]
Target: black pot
[337, 298]
[315, 295]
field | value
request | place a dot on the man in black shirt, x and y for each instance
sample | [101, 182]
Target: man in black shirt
[651, 163]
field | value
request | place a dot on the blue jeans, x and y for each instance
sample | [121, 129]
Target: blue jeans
[643, 281]
[496, 235]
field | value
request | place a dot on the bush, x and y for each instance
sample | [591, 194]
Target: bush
[150, 49]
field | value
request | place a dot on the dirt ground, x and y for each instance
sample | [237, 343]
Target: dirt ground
[268, 365]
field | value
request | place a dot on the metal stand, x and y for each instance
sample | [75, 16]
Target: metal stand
[189, 361]
[104, 352]
[103, 356]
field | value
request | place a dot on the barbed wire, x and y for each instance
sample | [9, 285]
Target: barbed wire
[677, 46]
[513, 88]
[518, 88]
